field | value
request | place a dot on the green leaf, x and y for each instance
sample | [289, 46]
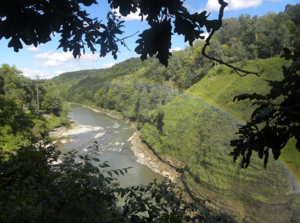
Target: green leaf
[177, 201]
[101, 176]
[158, 198]
[12, 197]
[96, 159]
[168, 198]
[143, 207]
[164, 209]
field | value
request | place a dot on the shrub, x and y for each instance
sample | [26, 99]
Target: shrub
[64, 121]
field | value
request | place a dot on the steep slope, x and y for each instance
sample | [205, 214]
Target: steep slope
[197, 128]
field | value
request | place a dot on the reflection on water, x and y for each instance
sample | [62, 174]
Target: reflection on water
[111, 135]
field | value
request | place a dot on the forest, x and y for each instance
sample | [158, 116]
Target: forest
[183, 111]
[23, 103]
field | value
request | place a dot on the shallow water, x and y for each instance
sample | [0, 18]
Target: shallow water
[112, 141]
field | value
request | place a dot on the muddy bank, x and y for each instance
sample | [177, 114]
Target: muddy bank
[147, 156]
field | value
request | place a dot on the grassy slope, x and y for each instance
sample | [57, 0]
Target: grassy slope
[197, 128]
[221, 88]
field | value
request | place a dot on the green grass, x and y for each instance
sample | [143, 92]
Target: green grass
[258, 197]
[268, 189]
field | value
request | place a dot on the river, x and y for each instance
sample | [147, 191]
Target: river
[112, 136]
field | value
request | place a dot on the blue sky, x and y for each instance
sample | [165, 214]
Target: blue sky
[48, 61]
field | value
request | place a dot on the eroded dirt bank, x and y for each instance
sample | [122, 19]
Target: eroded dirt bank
[148, 157]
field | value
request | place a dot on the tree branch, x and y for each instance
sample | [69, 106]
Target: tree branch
[237, 70]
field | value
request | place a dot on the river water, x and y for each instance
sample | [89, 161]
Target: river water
[112, 137]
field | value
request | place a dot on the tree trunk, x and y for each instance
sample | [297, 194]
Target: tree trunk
[171, 87]
[23, 109]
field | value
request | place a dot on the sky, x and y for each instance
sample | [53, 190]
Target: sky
[48, 61]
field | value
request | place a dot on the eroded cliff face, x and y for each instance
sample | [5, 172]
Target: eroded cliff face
[242, 205]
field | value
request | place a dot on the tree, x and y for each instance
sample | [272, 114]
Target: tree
[51, 101]
[217, 50]
[37, 93]
[38, 20]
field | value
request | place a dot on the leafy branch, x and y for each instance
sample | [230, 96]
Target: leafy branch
[277, 118]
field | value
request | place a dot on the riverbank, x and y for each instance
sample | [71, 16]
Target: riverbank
[145, 155]
[113, 114]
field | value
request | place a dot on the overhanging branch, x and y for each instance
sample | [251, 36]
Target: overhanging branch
[237, 70]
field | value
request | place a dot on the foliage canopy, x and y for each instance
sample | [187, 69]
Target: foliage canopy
[38, 20]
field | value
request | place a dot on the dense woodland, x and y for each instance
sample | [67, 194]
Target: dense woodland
[183, 111]
[23, 103]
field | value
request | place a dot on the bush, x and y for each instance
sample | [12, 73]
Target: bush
[33, 108]
[64, 121]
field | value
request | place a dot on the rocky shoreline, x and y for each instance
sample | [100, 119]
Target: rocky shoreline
[147, 157]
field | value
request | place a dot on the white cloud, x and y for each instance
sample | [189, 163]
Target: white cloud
[131, 16]
[205, 36]
[108, 64]
[213, 5]
[51, 63]
[33, 48]
[59, 72]
[71, 65]
[177, 49]
[189, 7]
[126, 54]
[32, 73]
[64, 57]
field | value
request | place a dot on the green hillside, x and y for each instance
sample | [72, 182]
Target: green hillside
[197, 128]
